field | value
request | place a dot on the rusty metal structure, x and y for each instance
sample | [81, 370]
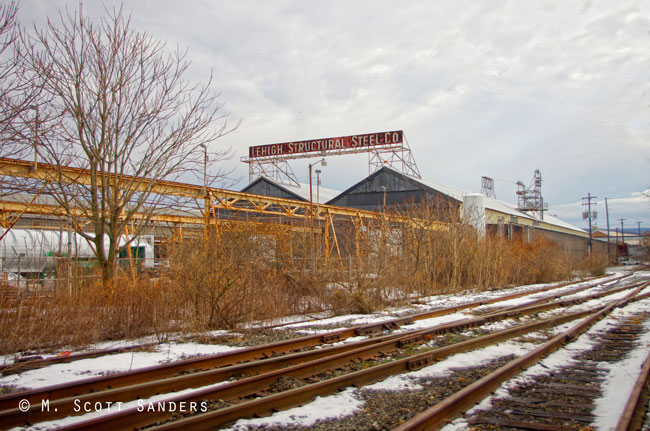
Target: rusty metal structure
[384, 149]
[216, 209]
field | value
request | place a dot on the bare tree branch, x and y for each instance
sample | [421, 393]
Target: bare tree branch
[17, 92]
[118, 104]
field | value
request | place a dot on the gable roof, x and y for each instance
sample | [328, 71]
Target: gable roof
[459, 194]
[299, 192]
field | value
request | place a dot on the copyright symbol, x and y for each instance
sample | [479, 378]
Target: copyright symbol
[23, 405]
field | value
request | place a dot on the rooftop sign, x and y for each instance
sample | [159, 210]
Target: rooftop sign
[366, 141]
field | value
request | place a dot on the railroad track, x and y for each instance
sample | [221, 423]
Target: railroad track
[564, 397]
[313, 368]
[559, 401]
[277, 348]
[34, 361]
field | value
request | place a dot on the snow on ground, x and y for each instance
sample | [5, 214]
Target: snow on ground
[322, 408]
[521, 300]
[85, 368]
[342, 403]
[346, 403]
[408, 381]
[621, 377]
[333, 407]
[152, 340]
[618, 382]
[141, 405]
[434, 302]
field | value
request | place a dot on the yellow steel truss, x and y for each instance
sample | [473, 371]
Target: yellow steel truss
[221, 206]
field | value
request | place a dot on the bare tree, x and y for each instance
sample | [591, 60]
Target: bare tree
[119, 105]
[17, 93]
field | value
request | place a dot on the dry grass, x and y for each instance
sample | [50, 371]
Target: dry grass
[594, 264]
[226, 281]
[45, 319]
[237, 278]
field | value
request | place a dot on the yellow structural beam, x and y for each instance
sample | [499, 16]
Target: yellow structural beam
[219, 199]
[56, 210]
[269, 228]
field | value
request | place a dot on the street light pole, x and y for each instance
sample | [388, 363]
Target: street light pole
[35, 108]
[205, 168]
[323, 162]
[622, 233]
[318, 171]
[206, 204]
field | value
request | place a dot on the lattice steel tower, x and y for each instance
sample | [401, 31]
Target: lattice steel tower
[530, 199]
[487, 187]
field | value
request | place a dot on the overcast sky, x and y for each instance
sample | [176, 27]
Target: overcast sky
[496, 88]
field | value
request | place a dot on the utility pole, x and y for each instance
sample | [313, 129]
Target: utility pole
[589, 215]
[622, 232]
[638, 224]
[607, 216]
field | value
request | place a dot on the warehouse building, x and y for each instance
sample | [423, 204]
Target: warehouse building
[268, 187]
[388, 188]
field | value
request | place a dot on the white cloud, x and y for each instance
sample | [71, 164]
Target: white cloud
[497, 88]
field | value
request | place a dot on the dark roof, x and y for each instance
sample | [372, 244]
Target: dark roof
[273, 184]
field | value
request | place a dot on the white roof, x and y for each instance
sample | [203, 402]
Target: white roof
[491, 203]
[302, 190]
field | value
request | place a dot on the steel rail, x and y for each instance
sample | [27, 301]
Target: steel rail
[94, 384]
[635, 408]
[304, 394]
[436, 416]
[134, 417]
[30, 363]
[322, 361]
[545, 299]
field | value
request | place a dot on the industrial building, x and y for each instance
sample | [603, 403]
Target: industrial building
[268, 187]
[388, 187]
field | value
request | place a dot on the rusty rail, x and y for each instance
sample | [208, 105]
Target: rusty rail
[253, 384]
[436, 416]
[94, 384]
[61, 400]
[635, 408]
[29, 363]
